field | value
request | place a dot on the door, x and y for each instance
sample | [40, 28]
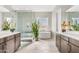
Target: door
[2, 48]
[64, 44]
[10, 46]
[17, 43]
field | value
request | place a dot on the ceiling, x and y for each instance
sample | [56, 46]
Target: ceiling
[3, 9]
[73, 9]
[26, 8]
[36, 8]
[65, 7]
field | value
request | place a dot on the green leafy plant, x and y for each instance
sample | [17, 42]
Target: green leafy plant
[35, 30]
[76, 27]
[5, 25]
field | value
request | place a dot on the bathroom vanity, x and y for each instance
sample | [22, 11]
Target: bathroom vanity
[9, 42]
[67, 42]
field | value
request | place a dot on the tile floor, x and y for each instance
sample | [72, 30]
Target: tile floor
[41, 46]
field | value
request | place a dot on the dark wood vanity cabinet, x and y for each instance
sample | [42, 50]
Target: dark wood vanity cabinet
[67, 44]
[2, 45]
[74, 49]
[2, 48]
[64, 44]
[10, 44]
[74, 45]
[58, 41]
[17, 41]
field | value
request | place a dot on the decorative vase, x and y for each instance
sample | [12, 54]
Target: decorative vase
[12, 30]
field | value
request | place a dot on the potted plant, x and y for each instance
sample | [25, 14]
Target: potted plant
[5, 25]
[76, 27]
[35, 30]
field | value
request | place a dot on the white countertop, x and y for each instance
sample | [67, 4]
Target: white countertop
[6, 33]
[72, 34]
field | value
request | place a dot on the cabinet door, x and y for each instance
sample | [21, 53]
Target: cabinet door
[73, 48]
[64, 46]
[2, 48]
[17, 43]
[58, 41]
[10, 46]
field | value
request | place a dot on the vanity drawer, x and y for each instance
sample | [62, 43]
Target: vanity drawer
[74, 41]
[64, 46]
[17, 43]
[73, 48]
[2, 48]
[64, 37]
[17, 35]
[10, 37]
[2, 40]
[10, 46]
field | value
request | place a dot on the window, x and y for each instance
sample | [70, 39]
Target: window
[75, 24]
[43, 21]
[75, 21]
[8, 20]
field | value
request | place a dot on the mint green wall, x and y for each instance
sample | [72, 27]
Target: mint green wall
[27, 17]
[22, 19]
